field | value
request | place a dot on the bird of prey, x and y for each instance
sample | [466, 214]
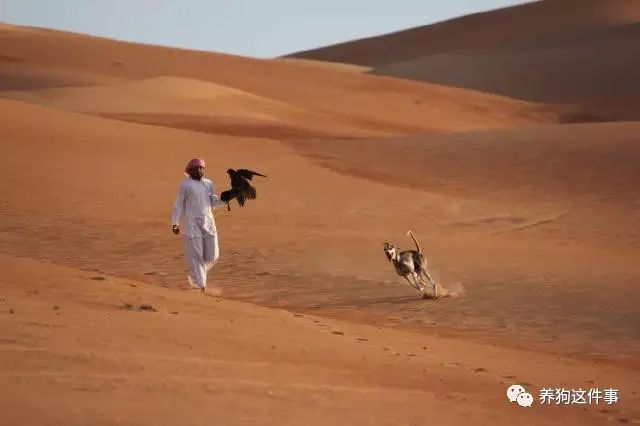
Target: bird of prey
[241, 189]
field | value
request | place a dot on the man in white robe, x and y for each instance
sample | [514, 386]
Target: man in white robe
[194, 203]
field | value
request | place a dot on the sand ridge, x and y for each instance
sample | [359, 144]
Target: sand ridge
[531, 222]
[409, 107]
[548, 56]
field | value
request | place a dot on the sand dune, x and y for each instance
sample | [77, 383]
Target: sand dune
[534, 228]
[588, 71]
[346, 96]
[440, 188]
[599, 162]
[189, 103]
[78, 355]
[18, 75]
[324, 64]
[156, 95]
[94, 201]
[531, 24]
[578, 52]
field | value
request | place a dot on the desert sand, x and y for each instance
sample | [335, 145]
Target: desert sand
[530, 223]
[582, 52]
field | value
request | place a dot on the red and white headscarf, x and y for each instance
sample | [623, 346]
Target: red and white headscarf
[196, 162]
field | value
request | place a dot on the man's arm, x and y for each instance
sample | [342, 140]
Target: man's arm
[178, 205]
[215, 200]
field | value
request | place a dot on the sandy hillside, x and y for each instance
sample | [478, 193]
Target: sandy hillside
[95, 356]
[534, 23]
[88, 247]
[195, 104]
[579, 52]
[531, 226]
[591, 70]
[340, 96]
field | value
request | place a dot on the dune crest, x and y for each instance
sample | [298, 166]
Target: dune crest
[583, 53]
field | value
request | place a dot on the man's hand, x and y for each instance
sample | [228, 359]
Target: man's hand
[176, 229]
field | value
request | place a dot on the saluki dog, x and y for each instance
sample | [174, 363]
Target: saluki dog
[411, 265]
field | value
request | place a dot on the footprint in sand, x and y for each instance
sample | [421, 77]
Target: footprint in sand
[143, 307]
[147, 307]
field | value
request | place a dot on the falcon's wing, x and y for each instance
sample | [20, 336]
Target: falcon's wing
[237, 181]
[247, 191]
[248, 174]
[251, 192]
[240, 198]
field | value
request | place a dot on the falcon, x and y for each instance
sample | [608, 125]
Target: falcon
[241, 189]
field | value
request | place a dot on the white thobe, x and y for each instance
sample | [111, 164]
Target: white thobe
[194, 203]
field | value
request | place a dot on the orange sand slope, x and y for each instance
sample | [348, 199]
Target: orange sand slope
[189, 103]
[576, 51]
[535, 23]
[531, 226]
[72, 356]
[598, 163]
[336, 96]
[298, 245]
[591, 70]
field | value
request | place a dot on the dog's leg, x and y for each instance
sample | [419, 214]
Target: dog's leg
[418, 281]
[434, 285]
[428, 276]
[431, 282]
[421, 283]
[411, 281]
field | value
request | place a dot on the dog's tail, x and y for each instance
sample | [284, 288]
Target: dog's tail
[409, 233]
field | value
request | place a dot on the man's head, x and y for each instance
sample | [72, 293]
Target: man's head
[195, 168]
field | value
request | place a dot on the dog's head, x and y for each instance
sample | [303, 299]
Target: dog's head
[390, 251]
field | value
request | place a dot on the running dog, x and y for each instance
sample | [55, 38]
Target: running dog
[411, 265]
